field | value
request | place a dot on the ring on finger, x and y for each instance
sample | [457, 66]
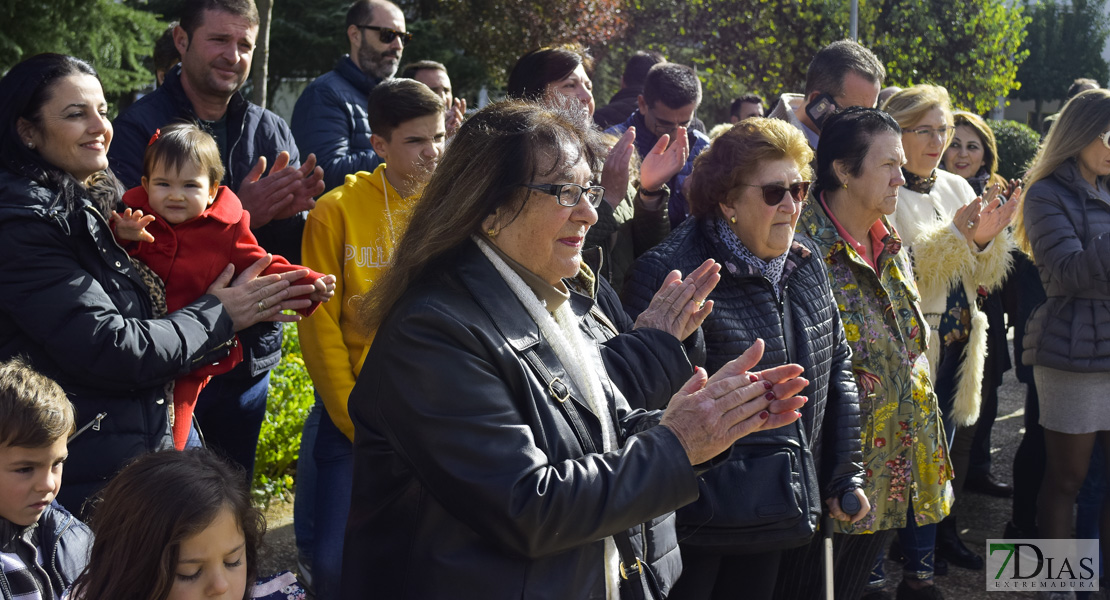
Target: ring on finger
[970, 224]
[700, 303]
[261, 306]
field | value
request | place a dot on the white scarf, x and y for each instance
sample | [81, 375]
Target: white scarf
[582, 361]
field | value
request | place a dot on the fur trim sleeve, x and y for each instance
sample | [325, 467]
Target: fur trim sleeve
[941, 258]
[994, 262]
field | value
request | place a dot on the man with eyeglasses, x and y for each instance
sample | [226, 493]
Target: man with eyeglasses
[216, 40]
[329, 118]
[671, 95]
[841, 75]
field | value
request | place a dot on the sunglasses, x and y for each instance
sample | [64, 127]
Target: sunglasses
[387, 35]
[772, 194]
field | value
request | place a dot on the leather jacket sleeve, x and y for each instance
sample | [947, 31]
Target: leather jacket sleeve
[480, 437]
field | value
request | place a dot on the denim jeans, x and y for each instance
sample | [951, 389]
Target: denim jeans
[304, 503]
[918, 543]
[230, 411]
[334, 475]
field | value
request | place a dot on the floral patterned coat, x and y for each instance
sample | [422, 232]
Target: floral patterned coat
[904, 451]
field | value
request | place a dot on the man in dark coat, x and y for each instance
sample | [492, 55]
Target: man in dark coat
[329, 118]
[216, 40]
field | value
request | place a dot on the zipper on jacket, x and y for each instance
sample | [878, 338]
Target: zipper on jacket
[94, 425]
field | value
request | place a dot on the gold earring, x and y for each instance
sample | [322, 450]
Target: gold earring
[491, 232]
[845, 185]
[732, 218]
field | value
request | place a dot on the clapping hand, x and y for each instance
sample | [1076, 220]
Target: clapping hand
[680, 305]
[286, 191]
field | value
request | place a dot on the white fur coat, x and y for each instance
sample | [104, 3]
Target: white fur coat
[941, 258]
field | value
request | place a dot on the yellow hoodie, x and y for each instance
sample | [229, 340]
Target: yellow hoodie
[351, 233]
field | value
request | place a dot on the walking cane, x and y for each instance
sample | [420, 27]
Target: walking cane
[849, 505]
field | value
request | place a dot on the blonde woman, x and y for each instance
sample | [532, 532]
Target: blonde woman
[957, 243]
[1065, 228]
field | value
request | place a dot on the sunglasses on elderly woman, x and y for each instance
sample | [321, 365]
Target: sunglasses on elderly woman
[387, 35]
[772, 194]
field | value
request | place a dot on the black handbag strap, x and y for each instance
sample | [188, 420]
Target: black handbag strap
[632, 568]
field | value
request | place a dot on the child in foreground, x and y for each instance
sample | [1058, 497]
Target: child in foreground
[42, 547]
[180, 525]
[187, 227]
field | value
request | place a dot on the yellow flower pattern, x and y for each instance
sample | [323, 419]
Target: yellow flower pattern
[905, 455]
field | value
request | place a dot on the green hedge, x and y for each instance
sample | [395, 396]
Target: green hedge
[280, 440]
[1017, 145]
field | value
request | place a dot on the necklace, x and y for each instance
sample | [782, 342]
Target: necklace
[388, 215]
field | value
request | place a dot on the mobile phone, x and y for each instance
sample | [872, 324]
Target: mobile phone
[821, 108]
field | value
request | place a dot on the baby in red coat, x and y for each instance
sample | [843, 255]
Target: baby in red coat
[187, 227]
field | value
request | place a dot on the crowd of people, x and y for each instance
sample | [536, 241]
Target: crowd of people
[558, 350]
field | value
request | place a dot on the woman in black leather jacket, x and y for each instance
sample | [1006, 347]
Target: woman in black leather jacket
[71, 302]
[496, 455]
[747, 193]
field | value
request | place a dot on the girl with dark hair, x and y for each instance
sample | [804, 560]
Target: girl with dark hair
[516, 467]
[72, 302]
[183, 526]
[859, 175]
[633, 218]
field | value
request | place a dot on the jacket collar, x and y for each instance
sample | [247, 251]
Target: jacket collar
[1068, 175]
[817, 224]
[494, 295]
[349, 71]
[226, 208]
[236, 107]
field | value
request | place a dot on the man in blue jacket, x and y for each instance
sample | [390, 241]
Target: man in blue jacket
[671, 95]
[329, 118]
[216, 40]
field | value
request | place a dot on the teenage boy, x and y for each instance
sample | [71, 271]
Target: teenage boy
[354, 230]
[43, 548]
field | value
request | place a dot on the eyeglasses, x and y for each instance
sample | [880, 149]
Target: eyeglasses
[1105, 137]
[387, 35]
[568, 194]
[928, 132]
[772, 194]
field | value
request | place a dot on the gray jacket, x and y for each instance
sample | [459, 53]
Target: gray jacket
[1068, 225]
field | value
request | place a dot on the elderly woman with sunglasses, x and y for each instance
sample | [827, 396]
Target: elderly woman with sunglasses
[1065, 227]
[747, 192]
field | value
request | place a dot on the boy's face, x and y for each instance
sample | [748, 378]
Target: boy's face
[413, 150]
[178, 196]
[29, 480]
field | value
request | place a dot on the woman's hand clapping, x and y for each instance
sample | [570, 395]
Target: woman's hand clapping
[710, 413]
[680, 305]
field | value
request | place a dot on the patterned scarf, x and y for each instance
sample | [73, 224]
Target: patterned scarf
[771, 270]
[917, 183]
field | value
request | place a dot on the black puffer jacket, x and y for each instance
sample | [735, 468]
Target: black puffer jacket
[745, 309]
[470, 481]
[1069, 228]
[72, 304]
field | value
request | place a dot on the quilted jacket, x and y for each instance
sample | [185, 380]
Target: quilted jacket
[745, 309]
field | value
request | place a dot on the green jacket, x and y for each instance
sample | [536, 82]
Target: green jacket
[904, 450]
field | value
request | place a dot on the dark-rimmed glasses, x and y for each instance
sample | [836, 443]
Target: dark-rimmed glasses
[387, 35]
[568, 194]
[772, 194]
